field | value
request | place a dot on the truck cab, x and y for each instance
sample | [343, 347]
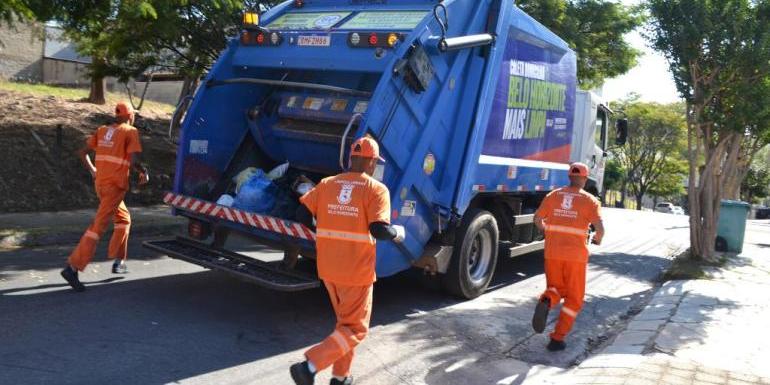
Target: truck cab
[590, 137]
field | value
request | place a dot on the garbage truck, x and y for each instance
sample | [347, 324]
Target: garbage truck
[473, 102]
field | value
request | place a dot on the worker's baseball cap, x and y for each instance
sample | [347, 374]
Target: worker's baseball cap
[578, 169]
[123, 109]
[366, 147]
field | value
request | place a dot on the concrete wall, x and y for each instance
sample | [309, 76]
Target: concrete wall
[21, 52]
[159, 91]
[65, 73]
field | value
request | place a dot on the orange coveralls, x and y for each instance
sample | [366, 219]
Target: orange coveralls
[567, 212]
[113, 145]
[344, 206]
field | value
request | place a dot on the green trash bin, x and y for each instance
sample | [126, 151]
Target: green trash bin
[732, 225]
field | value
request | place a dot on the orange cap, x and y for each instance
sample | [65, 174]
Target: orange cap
[366, 147]
[123, 109]
[578, 169]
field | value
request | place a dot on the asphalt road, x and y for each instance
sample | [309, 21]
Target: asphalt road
[172, 322]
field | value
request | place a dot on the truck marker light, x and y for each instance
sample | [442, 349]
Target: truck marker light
[299, 3]
[261, 38]
[250, 19]
[373, 39]
[392, 39]
[355, 38]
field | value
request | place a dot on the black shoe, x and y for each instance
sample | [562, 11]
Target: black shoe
[119, 268]
[301, 374]
[71, 276]
[556, 346]
[541, 315]
[348, 381]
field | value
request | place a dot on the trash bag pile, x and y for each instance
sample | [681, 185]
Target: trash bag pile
[271, 193]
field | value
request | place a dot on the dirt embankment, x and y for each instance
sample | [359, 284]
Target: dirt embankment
[40, 172]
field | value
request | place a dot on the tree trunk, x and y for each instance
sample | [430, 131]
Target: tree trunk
[623, 193]
[98, 90]
[639, 198]
[188, 89]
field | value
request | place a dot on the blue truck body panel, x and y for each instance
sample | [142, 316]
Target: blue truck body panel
[492, 119]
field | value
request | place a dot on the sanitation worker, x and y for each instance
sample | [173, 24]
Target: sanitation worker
[352, 211]
[565, 215]
[117, 148]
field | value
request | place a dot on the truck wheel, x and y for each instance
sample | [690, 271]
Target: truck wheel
[475, 255]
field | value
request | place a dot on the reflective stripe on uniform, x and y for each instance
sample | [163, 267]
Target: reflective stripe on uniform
[344, 236]
[553, 289]
[566, 230]
[112, 159]
[569, 311]
[92, 235]
[341, 341]
[121, 226]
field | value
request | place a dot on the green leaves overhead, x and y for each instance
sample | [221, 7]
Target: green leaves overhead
[595, 30]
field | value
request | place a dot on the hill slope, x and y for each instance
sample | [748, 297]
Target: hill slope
[36, 174]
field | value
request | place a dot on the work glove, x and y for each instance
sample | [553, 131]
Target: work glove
[400, 233]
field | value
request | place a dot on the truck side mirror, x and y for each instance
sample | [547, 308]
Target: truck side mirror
[621, 132]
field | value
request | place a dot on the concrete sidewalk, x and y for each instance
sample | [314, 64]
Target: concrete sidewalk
[54, 228]
[708, 331]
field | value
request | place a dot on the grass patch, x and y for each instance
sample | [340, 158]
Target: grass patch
[78, 94]
[685, 267]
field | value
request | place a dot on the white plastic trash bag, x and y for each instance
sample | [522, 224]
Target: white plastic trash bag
[226, 200]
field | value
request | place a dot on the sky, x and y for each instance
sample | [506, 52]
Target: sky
[650, 78]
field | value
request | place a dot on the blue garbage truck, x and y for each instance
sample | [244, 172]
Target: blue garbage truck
[473, 102]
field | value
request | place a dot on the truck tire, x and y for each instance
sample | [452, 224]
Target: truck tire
[475, 255]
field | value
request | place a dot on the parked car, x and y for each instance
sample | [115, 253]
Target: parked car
[665, 207]
[762, 213]
[677, 210]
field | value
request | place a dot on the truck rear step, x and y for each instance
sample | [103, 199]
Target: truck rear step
[265, 274]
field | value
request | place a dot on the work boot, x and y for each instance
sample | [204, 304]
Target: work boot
[541, 314]
[556, 345]
[347, 381]
[71, 276]
[118, 267]
[301, 374]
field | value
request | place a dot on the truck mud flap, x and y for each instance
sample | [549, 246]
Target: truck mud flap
[262, 273]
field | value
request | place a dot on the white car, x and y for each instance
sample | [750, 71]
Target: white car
[665, 207]
[678, 210]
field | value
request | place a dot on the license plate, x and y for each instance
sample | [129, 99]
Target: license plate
[314, 41]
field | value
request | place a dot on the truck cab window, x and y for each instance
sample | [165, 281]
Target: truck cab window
[601, 129]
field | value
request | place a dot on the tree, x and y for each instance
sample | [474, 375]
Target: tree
[756, 184]
[719, 55]
[614, 175]
[651, 156]
[595, 30]
[670, 184]
[91, 25]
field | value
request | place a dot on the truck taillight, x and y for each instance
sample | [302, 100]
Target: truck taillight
[245, 37]
[261, 38]
[374, 39]
[198, 230]
[299, 3]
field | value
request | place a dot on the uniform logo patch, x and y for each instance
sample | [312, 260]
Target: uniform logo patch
[566, 202]
[108, 135]
[346, 194]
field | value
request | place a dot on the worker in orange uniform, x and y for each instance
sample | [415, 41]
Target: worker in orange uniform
[352, 211]
[565, 215]
[117, 147]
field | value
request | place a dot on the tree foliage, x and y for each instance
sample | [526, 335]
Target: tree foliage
[719, 55]
[651, 157]
[595, 29]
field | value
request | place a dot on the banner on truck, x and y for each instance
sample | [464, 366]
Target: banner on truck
[533, 108]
